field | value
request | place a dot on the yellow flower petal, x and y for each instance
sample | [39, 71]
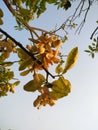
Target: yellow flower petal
[49, 56]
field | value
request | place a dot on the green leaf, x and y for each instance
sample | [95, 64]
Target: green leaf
[71, 59]
[3, 94]
[67, 5]
[94, 44]
[87, 51]
[61, 88]
[5, 64]
[32, 3]
[51, 1]
[92, 55]
[56, 95]
[9, 75]
[94, 40]
[91, 48]
[1, 21]
[24, 64]
[59, 69]
[24, 73]
[32, 85]
[26, 14]
[61, 85]
[42, 8]
[22, 54]
[16, 83]
[41, 78]
[1, 13]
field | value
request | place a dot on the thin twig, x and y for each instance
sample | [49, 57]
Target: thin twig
[94, 33]
[9, 62]
[85, 15]
[74, 15]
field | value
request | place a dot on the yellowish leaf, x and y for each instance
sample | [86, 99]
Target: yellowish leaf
[24, 73]
[57, 43]
[1, 13]
[61, 88]
[71, 59]
[32, 86]
[58, 69]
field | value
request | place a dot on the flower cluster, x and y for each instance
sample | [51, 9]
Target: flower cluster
[46, 50]
[44, 99]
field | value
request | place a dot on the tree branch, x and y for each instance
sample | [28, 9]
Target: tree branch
[29, 53]
[31, 29]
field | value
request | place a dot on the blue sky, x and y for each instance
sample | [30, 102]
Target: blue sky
[77, 111]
